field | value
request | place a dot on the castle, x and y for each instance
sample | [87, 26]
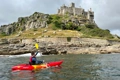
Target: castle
[72, 10]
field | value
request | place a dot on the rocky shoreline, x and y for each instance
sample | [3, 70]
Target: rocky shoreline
[59, 46]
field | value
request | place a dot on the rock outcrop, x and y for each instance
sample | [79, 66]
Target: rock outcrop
[37, 20]
[59, 46]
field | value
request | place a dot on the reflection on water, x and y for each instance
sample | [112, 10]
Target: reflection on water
[31, 75]
[23, 75]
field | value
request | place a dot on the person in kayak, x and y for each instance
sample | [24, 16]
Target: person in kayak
[33, 59]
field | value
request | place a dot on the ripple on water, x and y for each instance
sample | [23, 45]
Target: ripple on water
[1, 75]
[74, 67]
[23, 75]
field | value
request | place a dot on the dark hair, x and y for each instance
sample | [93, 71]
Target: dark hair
[32, 53]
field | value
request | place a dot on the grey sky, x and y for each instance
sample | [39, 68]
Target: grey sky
[107, 12]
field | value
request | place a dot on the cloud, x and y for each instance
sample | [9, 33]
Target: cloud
[11, 10]
[115, 32]
[107, 12]
[110, 13]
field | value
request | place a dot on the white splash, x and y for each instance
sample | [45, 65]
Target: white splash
[22, 55]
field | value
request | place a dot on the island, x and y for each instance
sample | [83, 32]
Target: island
[71, 31]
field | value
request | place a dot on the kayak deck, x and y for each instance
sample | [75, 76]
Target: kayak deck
[37, 67]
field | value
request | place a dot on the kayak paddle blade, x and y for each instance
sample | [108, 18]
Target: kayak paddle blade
[36, 45]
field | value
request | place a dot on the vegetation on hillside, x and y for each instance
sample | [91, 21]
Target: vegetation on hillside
[69, 26]
[88, 29]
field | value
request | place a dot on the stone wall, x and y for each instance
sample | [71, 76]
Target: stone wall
[70, 40]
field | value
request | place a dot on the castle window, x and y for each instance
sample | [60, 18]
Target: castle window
[91, 15]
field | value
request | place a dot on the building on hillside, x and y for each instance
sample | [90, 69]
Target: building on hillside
[72, 10]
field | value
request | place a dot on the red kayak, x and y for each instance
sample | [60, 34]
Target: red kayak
[37, 67]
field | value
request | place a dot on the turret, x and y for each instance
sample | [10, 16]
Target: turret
[90, 9]
[72, 5]
[90, 15]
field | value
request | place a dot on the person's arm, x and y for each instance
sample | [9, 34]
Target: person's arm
[36, 53]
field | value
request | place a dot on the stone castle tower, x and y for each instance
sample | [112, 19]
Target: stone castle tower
[72, 10]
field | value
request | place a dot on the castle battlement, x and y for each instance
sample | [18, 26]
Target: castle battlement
[72, 10]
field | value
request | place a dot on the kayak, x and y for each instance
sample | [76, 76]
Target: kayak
[37, 67]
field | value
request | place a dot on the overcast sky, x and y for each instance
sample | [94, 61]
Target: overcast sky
[107, 12]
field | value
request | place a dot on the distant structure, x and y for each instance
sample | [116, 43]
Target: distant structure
[72, 10]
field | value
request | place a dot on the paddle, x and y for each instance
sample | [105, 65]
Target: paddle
[37, 47]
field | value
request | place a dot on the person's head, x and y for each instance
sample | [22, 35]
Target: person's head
[32, 53]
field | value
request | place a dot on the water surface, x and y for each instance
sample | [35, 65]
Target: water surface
[74, 67]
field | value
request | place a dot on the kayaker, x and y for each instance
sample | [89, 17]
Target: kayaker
[33, 59]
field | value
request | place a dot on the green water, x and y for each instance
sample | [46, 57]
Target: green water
[74, 67]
